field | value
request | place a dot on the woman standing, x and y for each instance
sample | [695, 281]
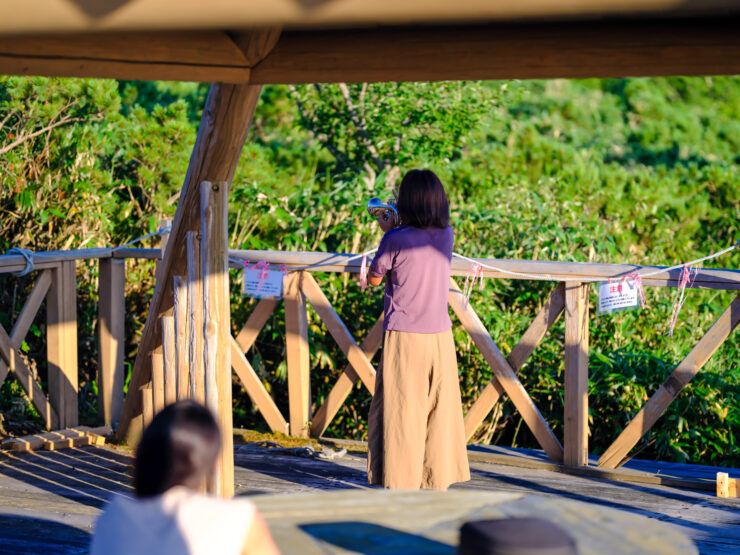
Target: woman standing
[416, 436]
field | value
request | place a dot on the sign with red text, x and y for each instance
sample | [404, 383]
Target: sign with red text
[617, 296]
[262, 283]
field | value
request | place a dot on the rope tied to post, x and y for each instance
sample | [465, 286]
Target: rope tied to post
[28, 255]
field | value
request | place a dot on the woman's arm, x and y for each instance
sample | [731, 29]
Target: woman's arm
[374, 280]
[259, 541]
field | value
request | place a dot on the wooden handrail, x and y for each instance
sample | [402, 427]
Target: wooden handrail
[706, 278]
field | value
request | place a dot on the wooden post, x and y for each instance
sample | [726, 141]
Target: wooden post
[147, 404]
[111, 336]
[296, 343]
[217, 322]
[195, 318]
[575, 436]
[169, 360]
[158, 380]
[61, 317]
[180, 312]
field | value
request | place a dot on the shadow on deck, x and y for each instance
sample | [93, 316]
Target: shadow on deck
[50, 499]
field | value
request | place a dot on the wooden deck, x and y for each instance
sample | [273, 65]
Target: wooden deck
[49, 500]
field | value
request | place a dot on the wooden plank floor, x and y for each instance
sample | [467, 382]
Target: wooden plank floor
[49, 500]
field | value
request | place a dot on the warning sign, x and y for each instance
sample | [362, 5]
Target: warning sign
[618, 296]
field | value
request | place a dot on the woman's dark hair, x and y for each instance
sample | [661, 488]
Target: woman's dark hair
[422, 201]
[178, 448]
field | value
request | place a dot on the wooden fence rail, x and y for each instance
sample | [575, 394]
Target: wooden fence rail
[184, 363]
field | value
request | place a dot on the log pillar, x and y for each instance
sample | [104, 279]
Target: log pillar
[226, 117]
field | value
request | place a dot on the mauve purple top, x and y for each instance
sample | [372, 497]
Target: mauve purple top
[417, 262]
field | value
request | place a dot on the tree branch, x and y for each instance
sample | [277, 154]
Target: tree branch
[361, 128]
[308, 123]
[26, 137]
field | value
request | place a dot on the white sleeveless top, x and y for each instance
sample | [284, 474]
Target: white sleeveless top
[178, 521]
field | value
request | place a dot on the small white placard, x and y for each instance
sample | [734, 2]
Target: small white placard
[271, 286]
[617, 296]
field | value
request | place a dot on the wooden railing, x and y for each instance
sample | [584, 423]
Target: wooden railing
[174, 377]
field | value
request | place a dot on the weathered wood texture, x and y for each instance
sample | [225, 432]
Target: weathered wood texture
[296, 344]
[672, 386]
[195, 318]
[182, 345]
[575, 434]
[111, 337]
[72, 487]
[61, 344]
[217, 323]
[505, 374]
[492, 392]
[347, 380]
[169, 359]
[221, 135]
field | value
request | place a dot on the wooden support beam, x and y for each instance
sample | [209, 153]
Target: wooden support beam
[15, 362]
[339, 331]
[341, 390]
[214, 199]
[544, 50]
[492, 392]
[575, 434]
[256, 321]
[195, 318]
[210, 56]
[169, 360]
[221, 135]
[181, 321]
[26, 317]
[505, 375]
[61, 344]
[672, 386]
[296, 344]
[256, 391]
[111, 337]
[157, 381]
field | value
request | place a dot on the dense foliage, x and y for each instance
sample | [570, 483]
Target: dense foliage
[627, 170]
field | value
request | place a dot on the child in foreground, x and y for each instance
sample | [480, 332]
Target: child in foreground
[169, 515]
[416, 435]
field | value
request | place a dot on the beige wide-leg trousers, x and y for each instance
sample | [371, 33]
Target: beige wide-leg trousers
[416, 436]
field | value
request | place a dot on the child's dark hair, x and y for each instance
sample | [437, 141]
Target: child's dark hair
[422, 201]
[178, 448]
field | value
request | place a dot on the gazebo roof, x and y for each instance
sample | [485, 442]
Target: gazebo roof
[362, 40]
